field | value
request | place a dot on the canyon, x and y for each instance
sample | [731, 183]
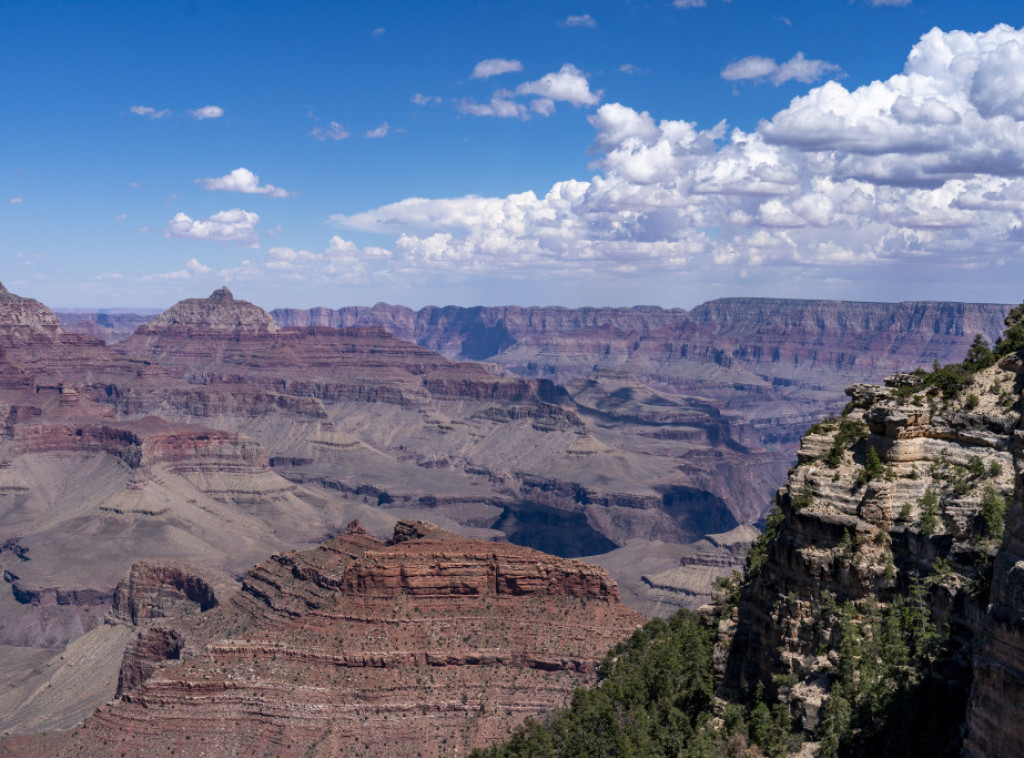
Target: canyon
[218, 433]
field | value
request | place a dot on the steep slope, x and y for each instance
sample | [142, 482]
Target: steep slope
[425, 645]
[865, 600]
[778, 365]
[480, 448]
[885, 590]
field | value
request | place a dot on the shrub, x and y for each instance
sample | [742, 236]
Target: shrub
[993, 511]
[929, 504]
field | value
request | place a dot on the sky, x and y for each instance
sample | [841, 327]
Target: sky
[594, 152]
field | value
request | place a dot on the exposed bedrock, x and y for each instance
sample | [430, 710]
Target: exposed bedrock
[862, 532]
[428, 644]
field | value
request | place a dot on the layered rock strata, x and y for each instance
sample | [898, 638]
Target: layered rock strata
[428, 645]
[994, 725]
[898, 498]
[780, 363]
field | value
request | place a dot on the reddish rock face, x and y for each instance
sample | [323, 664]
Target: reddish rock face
[428, 645]
[781, 363]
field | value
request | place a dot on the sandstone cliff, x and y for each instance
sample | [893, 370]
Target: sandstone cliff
[428, 644]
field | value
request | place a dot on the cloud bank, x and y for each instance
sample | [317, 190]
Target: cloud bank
[926, 165]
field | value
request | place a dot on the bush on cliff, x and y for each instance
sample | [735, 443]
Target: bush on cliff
[653, 699]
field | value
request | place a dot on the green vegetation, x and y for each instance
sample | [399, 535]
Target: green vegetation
[873, 468]
[851, 431]
[929, 504]
[653, 699]
[758, 554]
[993, 511]
[880, 697]
[893, 686]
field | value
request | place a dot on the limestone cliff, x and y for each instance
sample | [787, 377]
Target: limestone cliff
[869, 591]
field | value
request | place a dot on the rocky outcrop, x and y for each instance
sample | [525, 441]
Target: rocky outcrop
[163, 590]
[23, 320]
[898, 498]
[219, 312]
[426, 645]
[994, 726]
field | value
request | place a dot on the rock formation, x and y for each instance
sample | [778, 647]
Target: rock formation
[428, 644]
[216, 436]
[780, 364]
[887, 526]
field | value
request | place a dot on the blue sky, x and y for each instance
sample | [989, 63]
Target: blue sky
[583, 153]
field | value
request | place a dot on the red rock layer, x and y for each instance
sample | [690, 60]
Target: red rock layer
[427, 645]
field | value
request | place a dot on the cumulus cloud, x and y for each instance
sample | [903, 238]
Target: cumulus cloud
[568, 85]
[689, 3]
[797, 68]
[235, 225]
[494, 67]
[380, 131]
[925, 165]
[585, 21]
[243, 180]
[420, 99]
[207, 111]
[145, 110]
[333, 131]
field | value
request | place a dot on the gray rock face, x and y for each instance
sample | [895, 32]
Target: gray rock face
[857, 538]
[994, 725]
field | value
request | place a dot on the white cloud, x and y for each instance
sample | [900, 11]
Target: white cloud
[500, 107]
[494, 67]
[689, 3]
[207, 111]
[197, 268]
[420, 99]
[568, 85]
[890, 2]
[585, 21]
[340, 261]
[234, 225]
[379, 31]
[796, 68]
[243, 180]
[925, 165]
[145, 110]
[333, 131]
[380, 131]
[15, 200]
[121, 217]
